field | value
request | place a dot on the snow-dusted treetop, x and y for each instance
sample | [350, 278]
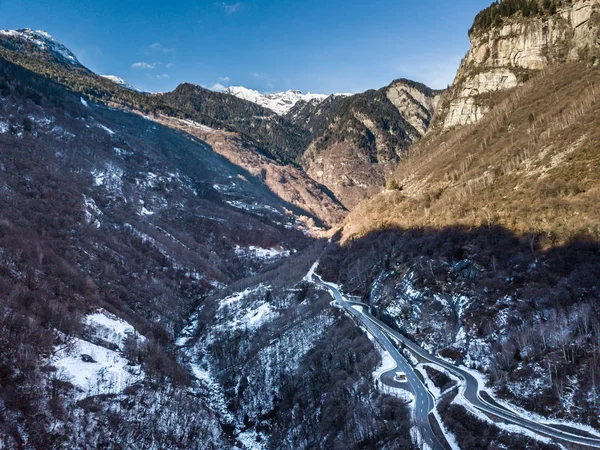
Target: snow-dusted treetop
[280, 102]
[44, 41]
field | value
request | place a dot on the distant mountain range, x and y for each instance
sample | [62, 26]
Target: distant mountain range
[345, 142]
[280, 102]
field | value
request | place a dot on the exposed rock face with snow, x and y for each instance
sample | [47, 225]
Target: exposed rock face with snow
[504, 56]
[280, 102]
[44, 42]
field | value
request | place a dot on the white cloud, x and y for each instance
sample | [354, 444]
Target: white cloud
[229, 9]
[224, 79]
[168, 66]
[157, 47]
[144, 65]
[218, 87]
[162, 76]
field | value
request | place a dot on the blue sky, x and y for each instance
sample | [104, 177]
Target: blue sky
[322, 46]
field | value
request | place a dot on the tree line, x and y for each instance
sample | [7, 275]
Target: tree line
[494, 15]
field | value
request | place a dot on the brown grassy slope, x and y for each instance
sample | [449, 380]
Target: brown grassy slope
[531, 165]
[288, 182]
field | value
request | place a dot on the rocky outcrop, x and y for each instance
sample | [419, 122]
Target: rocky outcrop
[358, 140]
[506, 55]
[416, 105]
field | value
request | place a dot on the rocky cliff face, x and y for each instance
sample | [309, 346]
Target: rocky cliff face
[506, 55]
[358, 140]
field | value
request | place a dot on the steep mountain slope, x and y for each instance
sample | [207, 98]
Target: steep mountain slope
[41, 44]
[357, 140]
[153, 257]
[114, 229]
[346, 143]
[261, 131]
[287, 181]
[295, 372]
[280, 139]
[275, 136]
[106, 209]
[530, 165]
[512, 40]
[485, 250]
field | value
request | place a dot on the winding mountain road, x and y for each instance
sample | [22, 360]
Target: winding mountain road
[424, 400]
[470, 390]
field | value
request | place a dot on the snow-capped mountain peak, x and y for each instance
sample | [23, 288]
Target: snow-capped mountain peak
[121, 82]
[280, 102]
[44, 41]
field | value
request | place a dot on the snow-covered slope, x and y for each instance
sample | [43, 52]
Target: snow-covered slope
[120, 81]
[44, 41]
[280, 102]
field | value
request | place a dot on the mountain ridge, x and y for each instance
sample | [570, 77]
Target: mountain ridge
[280, 102]
[45, 42]
[357, 140]
[361, 148]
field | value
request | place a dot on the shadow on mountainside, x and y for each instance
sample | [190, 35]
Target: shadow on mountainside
[518, 308]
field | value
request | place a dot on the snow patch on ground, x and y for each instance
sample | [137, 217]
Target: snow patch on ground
[461, 303]
[122, 152]
[236, 313]
[108, 130]
[450, 438]
[280, 102]
[387, 362]
[197, 125]
[188, 332]
[44, 42]
[217, 399]
[111, 177]
[481, 378]
[110, 328]
[3, 127]
[417, 439]
[92, 212]
[431, 387]
[143, 210]
[98, 367]
[109, 373]
[250, 440]
[121, 82]
[541, 419]
[262, 253]
[234, 298]
[311, 272]
[84, 102]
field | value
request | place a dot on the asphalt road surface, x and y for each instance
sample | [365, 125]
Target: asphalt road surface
[471, 390]
[424, 401]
